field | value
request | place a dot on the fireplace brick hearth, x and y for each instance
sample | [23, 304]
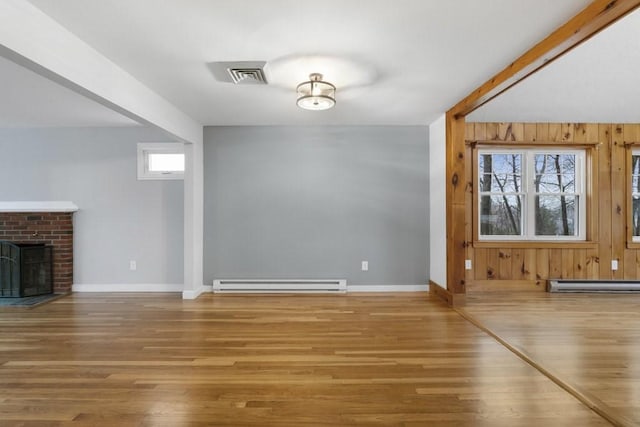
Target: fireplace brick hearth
[51, 228]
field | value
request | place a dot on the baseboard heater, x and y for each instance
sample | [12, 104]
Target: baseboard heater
[603, 286]
[280, 286]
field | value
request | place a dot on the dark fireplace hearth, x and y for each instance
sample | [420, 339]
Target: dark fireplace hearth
[26, 269]
[48, 222]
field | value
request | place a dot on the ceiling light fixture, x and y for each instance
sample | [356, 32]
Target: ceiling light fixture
[316, 94]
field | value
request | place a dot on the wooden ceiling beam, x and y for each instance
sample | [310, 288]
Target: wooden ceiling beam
[594, 18]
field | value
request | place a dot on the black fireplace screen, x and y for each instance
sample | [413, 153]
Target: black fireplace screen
[26, 269]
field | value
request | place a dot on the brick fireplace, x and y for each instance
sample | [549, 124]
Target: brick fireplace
[50, 223]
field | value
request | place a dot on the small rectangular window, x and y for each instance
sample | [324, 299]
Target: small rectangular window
[160, 160]
[531, 194]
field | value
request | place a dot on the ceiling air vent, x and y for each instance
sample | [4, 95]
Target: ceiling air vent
[240, 73]
[247, 75]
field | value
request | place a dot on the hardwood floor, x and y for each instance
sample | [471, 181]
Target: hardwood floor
[589, 342]
[156, 360]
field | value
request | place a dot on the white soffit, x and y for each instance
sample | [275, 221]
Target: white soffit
[394, 63]
[597, 82]
[33, 39]
[30, 100]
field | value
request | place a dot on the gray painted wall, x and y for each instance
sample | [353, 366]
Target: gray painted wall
[120, 218]
[313, 202]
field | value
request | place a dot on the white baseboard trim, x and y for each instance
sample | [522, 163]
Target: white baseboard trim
[197, 292]
[193, 294]
[130, 287]
[387, 288]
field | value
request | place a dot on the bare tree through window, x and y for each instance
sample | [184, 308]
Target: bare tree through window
[635, 193]
[501, 194]
[533, 193]
[555, 194]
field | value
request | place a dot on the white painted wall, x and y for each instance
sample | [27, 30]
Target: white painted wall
[437, 202]
[119, 218]
[193, 221]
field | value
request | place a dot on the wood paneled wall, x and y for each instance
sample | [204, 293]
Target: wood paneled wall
[528, 265]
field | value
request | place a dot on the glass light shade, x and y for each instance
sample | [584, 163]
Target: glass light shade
[316, 94]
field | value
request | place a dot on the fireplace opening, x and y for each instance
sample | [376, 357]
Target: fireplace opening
[26, 269]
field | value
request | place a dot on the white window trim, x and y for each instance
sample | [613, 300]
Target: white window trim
[146, 148]
[528, 226]
[634, 152]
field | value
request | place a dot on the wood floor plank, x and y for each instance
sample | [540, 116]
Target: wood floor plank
[370, 359]
[590, 342]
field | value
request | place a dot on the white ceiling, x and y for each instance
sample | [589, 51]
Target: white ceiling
[599, 81]
[29, 100]
[395, 62]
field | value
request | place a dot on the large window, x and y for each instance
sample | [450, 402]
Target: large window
[635, 195]
[531, 194]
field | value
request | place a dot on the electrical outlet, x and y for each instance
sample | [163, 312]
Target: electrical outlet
[365, 265]
[467, 264]
[614, 264]
[133, 265]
